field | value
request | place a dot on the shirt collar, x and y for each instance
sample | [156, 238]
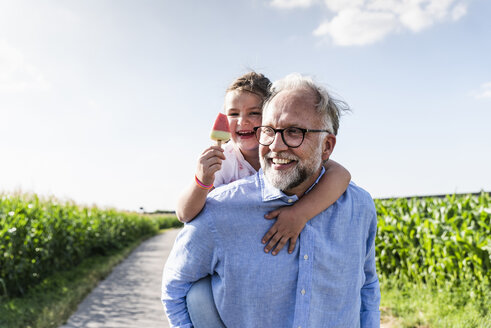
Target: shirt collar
[269, 193]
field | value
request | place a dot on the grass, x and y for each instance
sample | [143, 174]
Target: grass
[166, 221]
[419, 306]
[51, 303]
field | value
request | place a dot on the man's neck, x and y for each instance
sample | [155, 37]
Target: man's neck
[300, 190]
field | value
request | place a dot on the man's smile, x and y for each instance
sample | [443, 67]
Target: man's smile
[281, 161]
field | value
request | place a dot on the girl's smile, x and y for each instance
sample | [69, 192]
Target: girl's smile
[244, 112]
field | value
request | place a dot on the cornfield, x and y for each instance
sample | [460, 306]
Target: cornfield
[436, 241]
[39, 237]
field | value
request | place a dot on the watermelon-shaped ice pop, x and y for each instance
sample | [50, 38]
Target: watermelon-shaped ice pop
[221, 130]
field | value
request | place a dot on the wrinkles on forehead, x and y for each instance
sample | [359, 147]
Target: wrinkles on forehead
[292, 108]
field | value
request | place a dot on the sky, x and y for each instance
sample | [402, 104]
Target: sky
[110, 102]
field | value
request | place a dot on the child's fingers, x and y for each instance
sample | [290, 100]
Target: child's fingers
[217, 148]
[213, 153]
[293, 242]
[210, 168]
[269, 246]
[278, 241]
[269, 234]
[214, 168]
[211, 148]
[207, 161]
[272, 242]
[207, 167]
[280, 245]
[212, 160]
[272, 214]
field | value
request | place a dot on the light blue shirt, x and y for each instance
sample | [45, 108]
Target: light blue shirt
[329, 280]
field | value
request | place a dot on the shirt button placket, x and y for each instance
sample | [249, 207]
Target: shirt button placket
[304, 278]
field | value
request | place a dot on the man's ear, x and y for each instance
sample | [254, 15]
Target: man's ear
[328, 146]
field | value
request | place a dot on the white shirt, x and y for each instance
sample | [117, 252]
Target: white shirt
[234, 167]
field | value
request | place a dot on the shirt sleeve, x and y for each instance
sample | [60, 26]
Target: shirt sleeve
[370, 292]
[192, 257]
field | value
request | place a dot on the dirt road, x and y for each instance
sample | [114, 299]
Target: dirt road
[130, 295]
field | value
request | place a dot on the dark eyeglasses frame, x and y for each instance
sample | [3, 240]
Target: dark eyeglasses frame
[283, 136]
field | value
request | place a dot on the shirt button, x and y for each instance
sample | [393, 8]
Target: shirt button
[303, 292]
[305, 257]
[290, 200]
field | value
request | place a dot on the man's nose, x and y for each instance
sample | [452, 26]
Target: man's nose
[278, 143]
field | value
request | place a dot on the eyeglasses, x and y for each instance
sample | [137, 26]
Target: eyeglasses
[292, 137]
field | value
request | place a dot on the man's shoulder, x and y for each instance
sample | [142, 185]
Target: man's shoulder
[359, 196]
[224, 202]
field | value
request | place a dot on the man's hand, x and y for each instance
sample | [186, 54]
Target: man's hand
[287, 227]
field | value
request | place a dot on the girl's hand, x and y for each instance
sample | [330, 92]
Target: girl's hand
[209, 162]
[287, 227]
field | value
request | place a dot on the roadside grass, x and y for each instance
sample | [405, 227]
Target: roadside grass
[51, 303]
[413, 306]
[166, 221]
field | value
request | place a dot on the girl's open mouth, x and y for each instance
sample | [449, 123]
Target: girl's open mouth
[245, 134]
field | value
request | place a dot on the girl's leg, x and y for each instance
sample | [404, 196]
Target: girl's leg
[201, 306]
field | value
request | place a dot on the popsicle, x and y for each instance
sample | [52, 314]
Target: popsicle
[221, 130]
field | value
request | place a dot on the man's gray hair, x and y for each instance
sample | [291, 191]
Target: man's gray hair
[328, 107]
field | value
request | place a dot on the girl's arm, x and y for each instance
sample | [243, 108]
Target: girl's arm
[193, 199]
[292, 219]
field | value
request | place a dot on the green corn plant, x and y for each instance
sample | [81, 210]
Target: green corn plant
[39, 237]
[436, 241]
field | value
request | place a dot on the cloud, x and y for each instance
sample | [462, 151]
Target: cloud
[16, 74]
[362, 22]
[290, 4]
[340, 5]
[483, 92]
[356, 27]
[458, 11]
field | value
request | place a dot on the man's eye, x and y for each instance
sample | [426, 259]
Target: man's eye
[294, 132]
[232, 114]
[256, 113]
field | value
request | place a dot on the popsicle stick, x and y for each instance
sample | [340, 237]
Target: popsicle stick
[219, 143]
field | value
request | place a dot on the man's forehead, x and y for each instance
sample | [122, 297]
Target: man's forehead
[303, 96]
[291, 102]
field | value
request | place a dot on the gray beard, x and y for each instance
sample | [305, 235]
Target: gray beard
[287, 180]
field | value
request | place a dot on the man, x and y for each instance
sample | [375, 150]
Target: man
[330, 279]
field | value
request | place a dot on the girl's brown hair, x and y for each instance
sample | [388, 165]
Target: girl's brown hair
[253, 82]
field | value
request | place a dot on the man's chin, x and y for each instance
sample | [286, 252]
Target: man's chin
[281, 179]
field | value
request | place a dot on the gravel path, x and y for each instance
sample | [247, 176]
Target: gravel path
[130, 295]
